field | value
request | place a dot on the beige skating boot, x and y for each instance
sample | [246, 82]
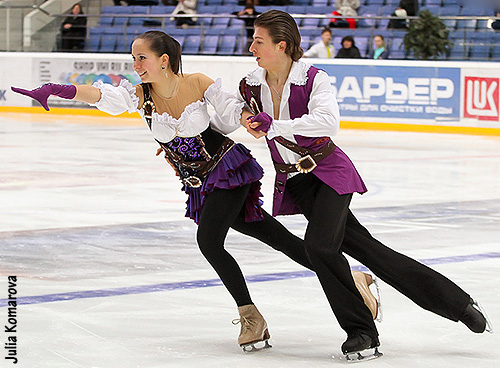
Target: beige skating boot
[253, 328]
[363, 282]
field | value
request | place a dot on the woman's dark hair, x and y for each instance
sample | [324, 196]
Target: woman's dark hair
[161, 43]
[347, 38]
[282, 27]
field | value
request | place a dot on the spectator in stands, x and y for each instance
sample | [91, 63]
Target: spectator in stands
[137, 2]
[349, 49]
[496, 24]
[406, 8]
[411, 7]
[380, 51]
[248, 15]
[346, 8]
[401, 21]
[74, 30]
[323, 49]
[185, 7]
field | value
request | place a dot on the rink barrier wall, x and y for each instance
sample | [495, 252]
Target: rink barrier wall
[127, 119]
[426, 96]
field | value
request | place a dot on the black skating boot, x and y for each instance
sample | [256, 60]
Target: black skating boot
[474, 318]
[361, 347]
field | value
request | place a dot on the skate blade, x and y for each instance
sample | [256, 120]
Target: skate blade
[489, 326]
[256, 346]
[379, 300]
[363, 356]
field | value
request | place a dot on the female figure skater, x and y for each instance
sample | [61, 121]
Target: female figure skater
[220, 177]
[295, 108]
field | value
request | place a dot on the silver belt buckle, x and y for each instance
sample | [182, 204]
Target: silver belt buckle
[192, 181]
[306, 164]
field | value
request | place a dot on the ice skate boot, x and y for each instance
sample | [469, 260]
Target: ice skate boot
[361, 347]
[363, 282]
[475, 318]
[253, 329]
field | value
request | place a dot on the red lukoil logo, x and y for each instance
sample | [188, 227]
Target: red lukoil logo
[481, 98]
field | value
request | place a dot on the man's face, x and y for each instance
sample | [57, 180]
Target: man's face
[326, 36]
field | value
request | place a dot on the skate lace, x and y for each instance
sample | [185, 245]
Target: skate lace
[246, 323]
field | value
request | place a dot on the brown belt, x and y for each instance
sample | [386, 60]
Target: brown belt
[309, 158]
[200, 168]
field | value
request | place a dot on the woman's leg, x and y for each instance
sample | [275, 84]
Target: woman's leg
[271, 232]
[219, 211]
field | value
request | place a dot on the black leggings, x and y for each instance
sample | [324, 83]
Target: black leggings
[224, 209]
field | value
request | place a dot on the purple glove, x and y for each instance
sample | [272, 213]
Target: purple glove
[41, 94]
[265, 119]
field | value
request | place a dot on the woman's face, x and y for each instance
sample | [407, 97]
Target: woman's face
[146, 63]
[76, 9]
[378, 42]
[268, 54]
[347, 44]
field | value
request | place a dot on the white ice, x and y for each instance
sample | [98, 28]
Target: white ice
[86, 205]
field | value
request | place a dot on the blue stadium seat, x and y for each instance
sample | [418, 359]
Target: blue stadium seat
[319, 3]
[382, 23]
[434, 9]
[106, 21]
[220, 22]
[386, 10]
[451, 24]
[304, 42]
[179, 38]
[108, 43]
[309, 31]
[227, 45]
[161, 9]
[450, 10]
[93, 41]
[479, 52]
[296, 9]
[495, 53]
[210, 44]
[320, 9]
[369, 9]
[191, 44]
[310, 22]
[432, 3]
[466, 23]
[367, 23]
[362, 44]
[459, 51]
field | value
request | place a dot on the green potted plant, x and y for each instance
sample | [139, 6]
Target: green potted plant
[427, 37]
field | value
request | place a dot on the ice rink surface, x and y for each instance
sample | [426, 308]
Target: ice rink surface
[109, 274]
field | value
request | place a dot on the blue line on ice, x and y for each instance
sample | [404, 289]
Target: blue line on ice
[142, 289]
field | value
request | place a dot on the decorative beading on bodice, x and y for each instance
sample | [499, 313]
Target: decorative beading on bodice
[190, 148]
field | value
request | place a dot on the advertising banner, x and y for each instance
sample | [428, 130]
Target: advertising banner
[480, 100]
[81, 71]
[396, 92]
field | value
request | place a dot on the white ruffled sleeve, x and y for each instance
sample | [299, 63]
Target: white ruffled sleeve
[228, 107]
[117, 100]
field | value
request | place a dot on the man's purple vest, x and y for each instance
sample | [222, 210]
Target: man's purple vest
[336, 170]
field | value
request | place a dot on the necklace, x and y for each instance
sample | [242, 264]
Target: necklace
[174, 90]
[277, 93]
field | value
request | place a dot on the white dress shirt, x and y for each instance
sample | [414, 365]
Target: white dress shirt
[322, 119]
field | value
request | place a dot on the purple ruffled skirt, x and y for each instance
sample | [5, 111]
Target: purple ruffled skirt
[235, 169]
